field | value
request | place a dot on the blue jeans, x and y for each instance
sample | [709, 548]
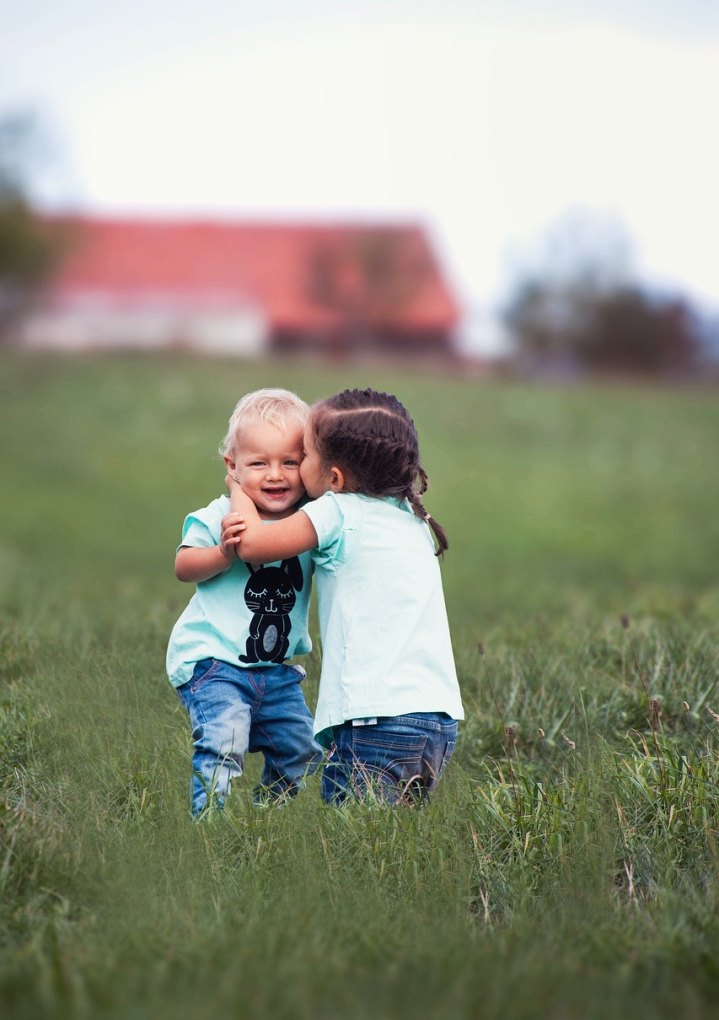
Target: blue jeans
[235, 710]
[398, 759]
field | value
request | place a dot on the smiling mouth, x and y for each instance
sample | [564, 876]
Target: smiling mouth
[275, 493]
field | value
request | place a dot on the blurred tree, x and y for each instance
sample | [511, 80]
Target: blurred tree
[28, 253]
[630, 331]
[580, 310]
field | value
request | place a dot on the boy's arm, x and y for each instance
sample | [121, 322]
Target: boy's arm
[200, 563]
[255, 542]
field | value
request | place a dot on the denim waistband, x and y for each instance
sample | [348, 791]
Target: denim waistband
[423, 720]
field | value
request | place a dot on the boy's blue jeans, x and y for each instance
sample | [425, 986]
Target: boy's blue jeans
[398, 759]
[235, 710]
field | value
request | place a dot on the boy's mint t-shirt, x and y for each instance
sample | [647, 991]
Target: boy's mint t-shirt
[246, 616]
[386, 648]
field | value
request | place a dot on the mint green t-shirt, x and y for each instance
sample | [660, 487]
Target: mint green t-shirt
[246, 616]
[386, 647]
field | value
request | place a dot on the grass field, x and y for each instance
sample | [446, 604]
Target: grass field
[568, 865]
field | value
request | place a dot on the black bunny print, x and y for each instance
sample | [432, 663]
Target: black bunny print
[270, 594]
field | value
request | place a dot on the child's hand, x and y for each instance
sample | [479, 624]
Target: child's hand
[232, 527]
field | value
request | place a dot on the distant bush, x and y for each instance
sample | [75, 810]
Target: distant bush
[624, 330]
[580, 309]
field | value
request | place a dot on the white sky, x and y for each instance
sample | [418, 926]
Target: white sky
[484, 120]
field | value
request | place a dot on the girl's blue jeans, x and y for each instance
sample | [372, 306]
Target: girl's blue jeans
[233, 711]
[398, 759]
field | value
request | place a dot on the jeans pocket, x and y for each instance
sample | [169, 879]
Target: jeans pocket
[204, 670]
[448, 752]
[378, 749]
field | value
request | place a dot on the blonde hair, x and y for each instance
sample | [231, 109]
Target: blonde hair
[275, 406]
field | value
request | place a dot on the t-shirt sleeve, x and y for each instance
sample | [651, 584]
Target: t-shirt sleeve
[328, 521]
[202, 527]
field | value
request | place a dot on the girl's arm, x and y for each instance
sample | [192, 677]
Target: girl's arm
[256, 542]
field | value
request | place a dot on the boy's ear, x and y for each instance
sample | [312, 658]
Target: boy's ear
[230, 463]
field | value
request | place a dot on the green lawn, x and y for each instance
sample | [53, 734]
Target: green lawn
[568, 865]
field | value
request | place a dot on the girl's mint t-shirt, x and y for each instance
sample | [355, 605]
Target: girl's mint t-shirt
[245, 616]
[386, 647]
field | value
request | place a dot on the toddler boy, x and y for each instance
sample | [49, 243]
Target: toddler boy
[228, 652]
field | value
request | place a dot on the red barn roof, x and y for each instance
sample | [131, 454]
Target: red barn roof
[303, 276]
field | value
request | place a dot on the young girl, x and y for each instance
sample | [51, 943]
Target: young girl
[389, 697]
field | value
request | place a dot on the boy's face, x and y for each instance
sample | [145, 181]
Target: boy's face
[266, 462]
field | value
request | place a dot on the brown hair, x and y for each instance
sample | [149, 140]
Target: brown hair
[371, 437]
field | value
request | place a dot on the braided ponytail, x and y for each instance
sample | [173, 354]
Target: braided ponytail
[439, 533]
[371, 436]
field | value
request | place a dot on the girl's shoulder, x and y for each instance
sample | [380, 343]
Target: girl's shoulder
[333, 515]
[330, 506]
[351, 506]
[386, 507]
[362, 499]
[336, 512]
